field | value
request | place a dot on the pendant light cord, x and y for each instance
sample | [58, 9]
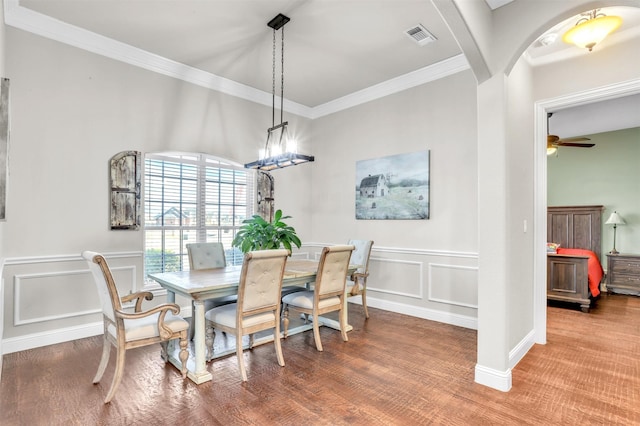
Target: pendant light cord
[282, 78]
[273, 82]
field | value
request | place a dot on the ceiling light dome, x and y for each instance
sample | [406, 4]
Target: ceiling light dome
[592, 29]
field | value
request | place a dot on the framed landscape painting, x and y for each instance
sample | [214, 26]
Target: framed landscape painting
[394, 187]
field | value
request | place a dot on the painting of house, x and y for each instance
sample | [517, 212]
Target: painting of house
[374, 186]
[393, 187]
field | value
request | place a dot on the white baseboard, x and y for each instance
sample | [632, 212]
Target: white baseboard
[499, 380]
[420, 312]
[46, 338]
[521, 349]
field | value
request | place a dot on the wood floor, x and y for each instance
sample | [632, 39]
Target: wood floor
[395, 370]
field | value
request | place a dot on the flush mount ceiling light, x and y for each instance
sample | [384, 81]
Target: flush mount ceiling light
[591, 29]
[280, 150]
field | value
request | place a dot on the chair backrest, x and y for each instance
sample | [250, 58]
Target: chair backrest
[332, 270]
[361, 254]
[261, 280]
[206, 256]
[107, 290]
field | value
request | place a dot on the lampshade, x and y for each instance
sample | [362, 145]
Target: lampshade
[615, 219]
[591, 30]
[280, 150]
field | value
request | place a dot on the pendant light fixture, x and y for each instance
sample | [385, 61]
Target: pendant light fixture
[591, 29]
[280, 149]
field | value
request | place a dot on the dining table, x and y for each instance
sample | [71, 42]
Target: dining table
[203, 284]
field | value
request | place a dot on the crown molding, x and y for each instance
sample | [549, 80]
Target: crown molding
[37, 23]
[424, 75]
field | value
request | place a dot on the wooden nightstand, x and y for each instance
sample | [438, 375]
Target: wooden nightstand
[623, 273]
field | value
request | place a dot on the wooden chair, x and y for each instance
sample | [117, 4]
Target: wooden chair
[328, 293]
[207, 256]
[126, 330]
[258, 305]
[357, 282]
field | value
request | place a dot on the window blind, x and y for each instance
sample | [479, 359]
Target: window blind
[191, 198]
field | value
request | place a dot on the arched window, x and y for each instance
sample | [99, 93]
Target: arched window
[191, 198]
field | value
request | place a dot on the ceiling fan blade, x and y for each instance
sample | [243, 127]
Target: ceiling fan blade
[579, 145]
[573, 139]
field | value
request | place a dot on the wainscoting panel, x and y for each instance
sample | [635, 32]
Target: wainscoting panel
[49, 299]
[55, 288]
[453, 284]
[397, 277]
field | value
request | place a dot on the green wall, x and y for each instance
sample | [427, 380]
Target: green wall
[607, 174]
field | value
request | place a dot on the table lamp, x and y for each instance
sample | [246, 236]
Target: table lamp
[614, 220]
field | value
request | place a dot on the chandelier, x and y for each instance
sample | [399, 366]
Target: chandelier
[280, 150]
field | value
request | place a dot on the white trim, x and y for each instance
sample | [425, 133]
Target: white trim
[521, 349]
[67, 258]
[414, 251]
[598, 94]
[48, 27]
[499, 380]
[424, 75]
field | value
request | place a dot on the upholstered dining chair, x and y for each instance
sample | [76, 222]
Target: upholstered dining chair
[258, 305]
[126, 330]
[207, 256]
[328, 292]
[357, 282]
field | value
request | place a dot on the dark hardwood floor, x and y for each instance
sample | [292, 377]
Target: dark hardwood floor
[395, 370]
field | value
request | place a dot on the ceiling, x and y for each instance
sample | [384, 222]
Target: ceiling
[333, 49]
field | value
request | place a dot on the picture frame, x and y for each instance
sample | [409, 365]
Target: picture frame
[394, 187]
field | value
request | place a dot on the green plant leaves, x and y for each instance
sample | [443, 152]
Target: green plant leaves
[258, 234]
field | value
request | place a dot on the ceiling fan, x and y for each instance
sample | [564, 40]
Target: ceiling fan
[553, 141]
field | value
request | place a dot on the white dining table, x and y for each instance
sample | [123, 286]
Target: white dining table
[206, 284]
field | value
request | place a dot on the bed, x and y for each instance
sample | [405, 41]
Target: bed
[574, 271]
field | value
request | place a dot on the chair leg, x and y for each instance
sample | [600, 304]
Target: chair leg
[364, 302]
[164, 354]
[243, 372]
[343, 324]
[276, 342]
[285, 321]
[208, 342]
[316, 333]
[184, 353]
[117, 375]
[106, 350]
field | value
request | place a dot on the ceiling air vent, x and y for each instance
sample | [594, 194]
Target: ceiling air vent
[420, 35]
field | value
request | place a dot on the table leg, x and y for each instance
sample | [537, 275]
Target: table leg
[200, 374]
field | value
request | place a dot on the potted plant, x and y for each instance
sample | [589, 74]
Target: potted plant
[258, 234]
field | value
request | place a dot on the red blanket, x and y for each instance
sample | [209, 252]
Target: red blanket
[594, 267]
